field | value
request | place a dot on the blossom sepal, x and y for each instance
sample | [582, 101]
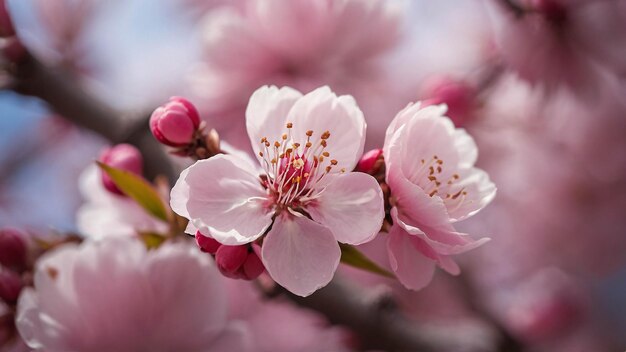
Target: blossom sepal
[355, 258]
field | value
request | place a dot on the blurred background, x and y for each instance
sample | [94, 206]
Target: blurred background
[540, 84]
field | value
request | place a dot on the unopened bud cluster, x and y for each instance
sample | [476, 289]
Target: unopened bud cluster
[236, 262]
[177, 124]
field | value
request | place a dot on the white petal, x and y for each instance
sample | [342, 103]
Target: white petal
[321, 110]
[300, 254]
[351, 206]
[225, 197]
[266, 114]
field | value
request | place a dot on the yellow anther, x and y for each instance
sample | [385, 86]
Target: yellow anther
[284, 136]
[326, 154]
[325, 135]
[289, 125]
[333, 162]
[309, 133]
[308, 144]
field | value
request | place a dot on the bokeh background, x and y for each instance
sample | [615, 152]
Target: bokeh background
[542, 91]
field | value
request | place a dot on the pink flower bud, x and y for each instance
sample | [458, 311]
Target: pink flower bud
[13, 249]
[368, 161]
[253, 266]
[6, 24]
[175, 123]
[10, 285]
[230, 258]
[457, 95]
[207, 244]
[553, 10]
[121, 156]
[13, 50]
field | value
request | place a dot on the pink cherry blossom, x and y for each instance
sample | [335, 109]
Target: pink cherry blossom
[433, 182]
[298, 43]
[305, 199]
[114, 295]
[106, 214]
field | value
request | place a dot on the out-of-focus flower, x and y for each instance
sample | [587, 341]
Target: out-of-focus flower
[298, 43]
[122, 156]
[175, 123]
[306, 146]
[13, 248]
[114, 295]
[430, 171]
[577, 44]
[105, 214]
[277, 325]
[459, 96]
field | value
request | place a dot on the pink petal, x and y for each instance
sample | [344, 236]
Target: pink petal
[225, 197]
[412, 268]
[266, 114]
[480, 192]
[321, 110]
[351, 206]
[300, 254]
[444, 241]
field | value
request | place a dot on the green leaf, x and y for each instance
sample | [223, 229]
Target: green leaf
[351, 256]
[138, 189]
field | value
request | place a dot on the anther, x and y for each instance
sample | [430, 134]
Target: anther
[309, 133]
[333, 162]
[289, 125]
[325, 135]
[326, 154]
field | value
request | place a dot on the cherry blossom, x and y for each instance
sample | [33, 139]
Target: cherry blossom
[303, 197]
[114, 295]
[106, 214]
[430, 171]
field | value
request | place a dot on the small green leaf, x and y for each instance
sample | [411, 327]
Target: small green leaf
[152, 240]
[138, 189]
[351, 256]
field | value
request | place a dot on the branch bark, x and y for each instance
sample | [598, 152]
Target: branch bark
[70, 100]
[378, 325]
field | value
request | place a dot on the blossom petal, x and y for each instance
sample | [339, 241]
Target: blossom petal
[413, 269]
[321, 110]
[480, 192]
[300, 254]
[351, 206]
[224, 196]
[266, 114]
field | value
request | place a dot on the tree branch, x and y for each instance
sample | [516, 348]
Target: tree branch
[70, 100]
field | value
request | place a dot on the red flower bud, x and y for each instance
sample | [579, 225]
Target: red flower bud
[253, 266]
[10, 286]
[6, 24]
[13, 249]
[367, 163]
[207, 244]
[175, 123]
[230, 258]
[121, 156]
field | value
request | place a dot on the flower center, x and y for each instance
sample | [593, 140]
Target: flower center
[434, 180]
[294, 168]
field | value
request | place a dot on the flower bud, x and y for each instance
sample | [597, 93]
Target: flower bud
[369, 162]
[253, 266]
[121, 156]
[6, 24]
[230, 258]
[457, 95]
[175, 123]
[207, 244]
[13, 249]
[10, 286]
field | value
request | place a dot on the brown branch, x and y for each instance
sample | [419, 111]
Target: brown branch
[71, 101]
[379, 326]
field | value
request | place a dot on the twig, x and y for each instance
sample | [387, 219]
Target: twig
[71, 101]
